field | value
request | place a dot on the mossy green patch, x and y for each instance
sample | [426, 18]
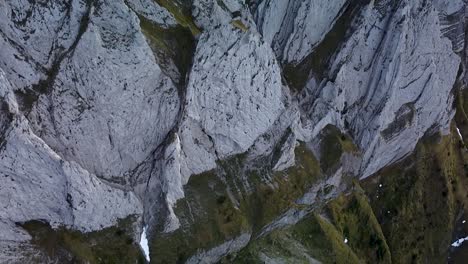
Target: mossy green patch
[235, 199]
[208, 218]
[459, 255]
[110, 245]
[403, 214]
[181, 13]
[240, 25]
[172, 47]
[272, 198]
[355, 219]
[332, 146]
[310, 240]
[341, 252]
[416, 200]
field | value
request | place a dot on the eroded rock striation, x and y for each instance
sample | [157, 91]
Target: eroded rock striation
[390, 83]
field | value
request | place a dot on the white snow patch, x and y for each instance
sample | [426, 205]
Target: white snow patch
[459, 134]
[144, 244]
[459, 242]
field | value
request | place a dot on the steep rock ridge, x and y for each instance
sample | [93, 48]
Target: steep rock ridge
[244, 96]
[235, 89]
[215, 254]
[294, 28]
[39, 184]
[101, 117]
[392, 66]
[234, 95]
[210, 14]
[405, 213]
[389, 84]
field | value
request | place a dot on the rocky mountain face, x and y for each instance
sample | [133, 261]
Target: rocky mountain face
[233, 131]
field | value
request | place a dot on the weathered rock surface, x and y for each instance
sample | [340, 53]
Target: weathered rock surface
[92, 108]
[152, 11]
[209, 14]
[234, 95]
[390, 83]
[215, 254]
[35, 35]
[39, 184]
[101, 117]
[235, 89]
[294, 28]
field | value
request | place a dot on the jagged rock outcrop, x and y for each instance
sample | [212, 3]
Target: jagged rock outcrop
[98, 105]
[87, 114]
[39, 184]
[452, 21]
[209, 14]
[235, 90]
[294, 28]
[390, 83]
[34, 35]
[215, 254]
[234, 95]
[152, 11]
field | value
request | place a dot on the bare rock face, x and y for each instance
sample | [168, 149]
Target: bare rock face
[39, 184]
[452, 15]
[372, 90]
[235, 89]
[294, 28]
[152, 11]
[234, 92]
[81, 100]
[101, 116]
[34, 35]
[234, 95]
[390, 83]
